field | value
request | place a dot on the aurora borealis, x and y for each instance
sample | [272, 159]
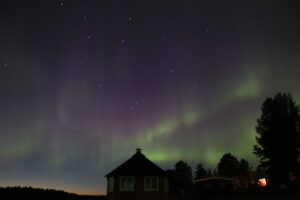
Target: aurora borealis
[84, 83]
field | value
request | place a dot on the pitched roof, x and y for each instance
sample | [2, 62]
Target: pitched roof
[137, 165]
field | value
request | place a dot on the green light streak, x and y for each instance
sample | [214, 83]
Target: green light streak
[190, 154]
[167, 127]
[162, 156]
[249, 88]
[146, 138]
[191, 118]
[17, 148]
[207, 150]
[212, 157]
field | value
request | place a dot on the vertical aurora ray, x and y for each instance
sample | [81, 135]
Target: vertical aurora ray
[85, 83]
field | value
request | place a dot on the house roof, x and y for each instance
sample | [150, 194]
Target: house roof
[137, 165]
[214, 178]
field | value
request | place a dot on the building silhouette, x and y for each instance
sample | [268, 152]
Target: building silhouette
[137, 178]
[214, 186]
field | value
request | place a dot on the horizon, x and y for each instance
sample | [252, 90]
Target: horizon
[56, 189]
[84, 83]
[86, 192]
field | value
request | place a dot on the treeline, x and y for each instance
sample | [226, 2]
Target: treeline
[182, 176]
[29, 193]
[277, 146]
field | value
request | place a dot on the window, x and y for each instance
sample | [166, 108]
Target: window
[221, 185]
[126, 183]
[151, 183]
[208, 186]
[166, 184]
[110, 184]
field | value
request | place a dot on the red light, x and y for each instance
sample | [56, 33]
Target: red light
[262, 182]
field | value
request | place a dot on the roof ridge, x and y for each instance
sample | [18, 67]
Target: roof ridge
[138, 164]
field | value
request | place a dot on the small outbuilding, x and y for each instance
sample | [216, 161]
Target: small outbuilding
[136, 179]
[214, 186]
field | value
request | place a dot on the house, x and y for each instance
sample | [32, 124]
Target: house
[214, 186]
[137, 178]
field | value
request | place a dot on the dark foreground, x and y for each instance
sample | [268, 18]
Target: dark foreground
[261, 197]
[28, 193]
[257, 194]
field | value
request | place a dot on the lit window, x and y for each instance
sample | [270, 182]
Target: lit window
[110, 184]
[126, 183]
[151, 183]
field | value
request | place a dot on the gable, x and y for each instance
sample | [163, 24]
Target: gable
[137, 165]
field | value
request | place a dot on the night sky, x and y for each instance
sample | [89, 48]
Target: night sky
[85, 83]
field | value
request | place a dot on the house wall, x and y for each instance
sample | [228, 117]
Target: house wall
[214, 188]
[138, 193]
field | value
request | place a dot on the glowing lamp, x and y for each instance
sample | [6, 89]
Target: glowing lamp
[262, 182]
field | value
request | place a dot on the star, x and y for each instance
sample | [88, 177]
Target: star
[102, 78]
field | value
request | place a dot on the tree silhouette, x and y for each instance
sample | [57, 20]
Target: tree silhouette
[244, 173]
[228, 166]
[215, 172]
[260, 172]
[209, 173]
[278, 140]
[200, 172]
[170, 173]
[184, 178]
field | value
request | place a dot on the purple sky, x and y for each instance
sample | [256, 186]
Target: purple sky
[84, 83]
